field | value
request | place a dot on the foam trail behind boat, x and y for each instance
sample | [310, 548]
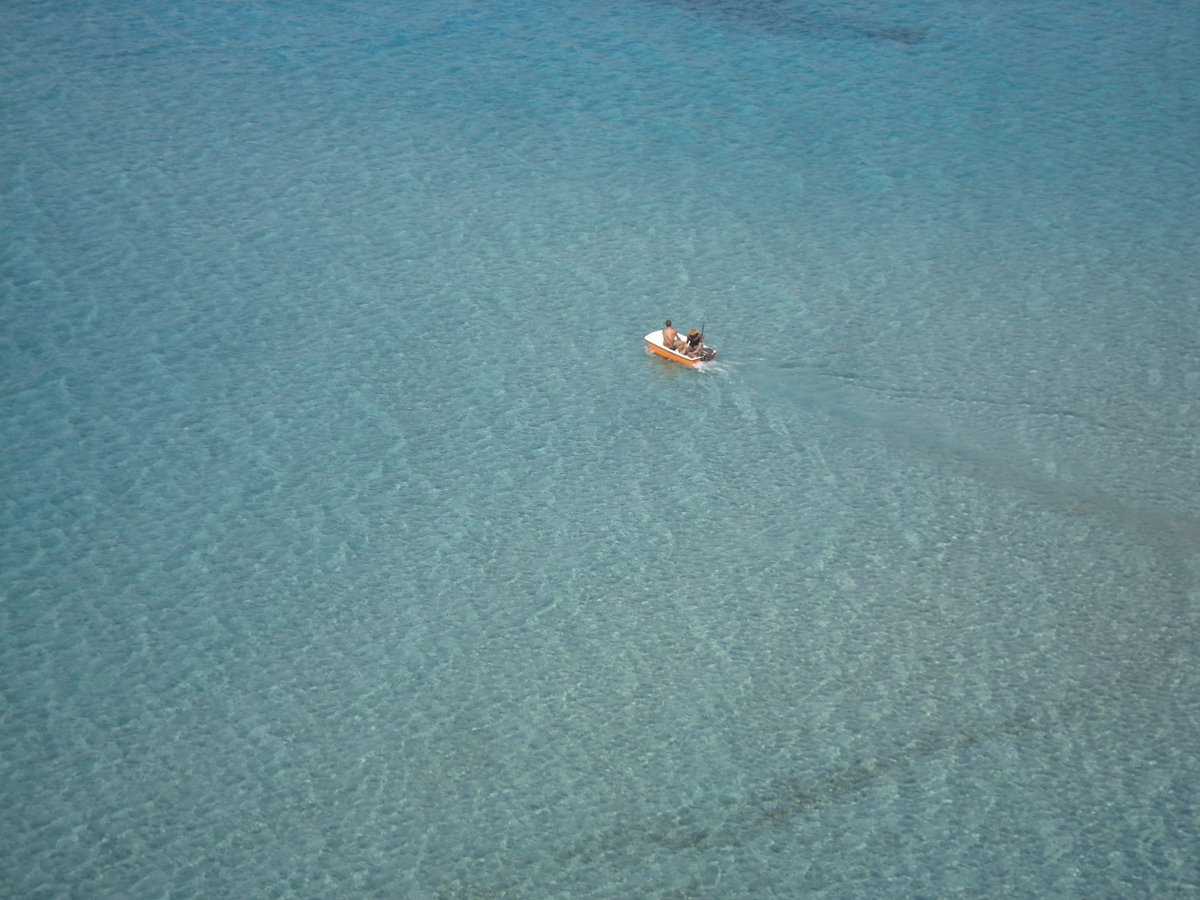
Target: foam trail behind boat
[873, 409]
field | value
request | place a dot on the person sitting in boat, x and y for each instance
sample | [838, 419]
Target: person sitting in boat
[694, 343]
[670, 337]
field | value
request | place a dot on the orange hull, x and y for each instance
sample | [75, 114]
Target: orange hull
[655, 345]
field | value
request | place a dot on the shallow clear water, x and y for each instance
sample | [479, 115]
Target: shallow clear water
[352, 545]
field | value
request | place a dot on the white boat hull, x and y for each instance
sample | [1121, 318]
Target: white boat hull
[654, 343]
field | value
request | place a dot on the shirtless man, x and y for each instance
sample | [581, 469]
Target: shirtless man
[670, 337]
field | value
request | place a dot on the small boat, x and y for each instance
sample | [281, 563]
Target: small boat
[654, 343]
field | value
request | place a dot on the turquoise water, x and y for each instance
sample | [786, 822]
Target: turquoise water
[351, 545]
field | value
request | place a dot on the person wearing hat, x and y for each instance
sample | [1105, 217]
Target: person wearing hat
[695, 343]
[670, 337]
